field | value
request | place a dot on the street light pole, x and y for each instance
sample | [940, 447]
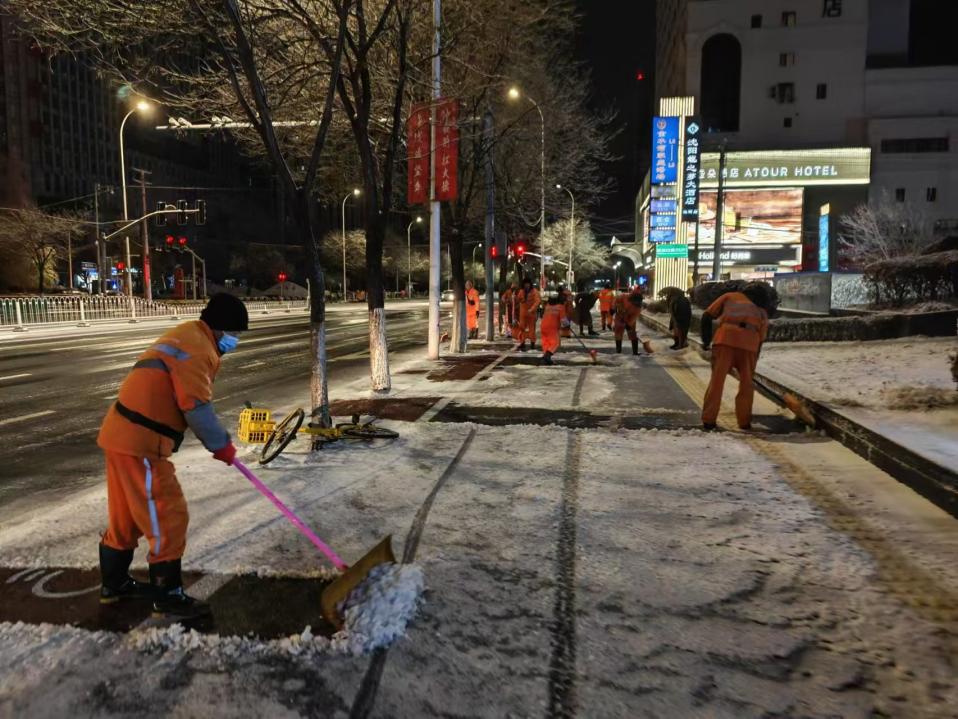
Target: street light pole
[569, 273]
[409, 256]
[477, 247]
[354, 193]
[515, 94]
[141, 106]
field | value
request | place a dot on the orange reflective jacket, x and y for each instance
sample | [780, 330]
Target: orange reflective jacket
[625, 312]
[742, 323]
[173, 376]
[606, 298]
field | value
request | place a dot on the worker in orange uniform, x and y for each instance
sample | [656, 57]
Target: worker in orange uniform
[628, 307]
[554, 320]
[528, 314]
[505, 310]
[472, 310]
[169, 389]
[743, 326]
[606, 299]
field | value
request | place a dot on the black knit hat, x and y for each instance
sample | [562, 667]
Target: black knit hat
[225, 313]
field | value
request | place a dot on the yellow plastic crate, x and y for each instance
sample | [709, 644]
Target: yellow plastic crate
[255, 425]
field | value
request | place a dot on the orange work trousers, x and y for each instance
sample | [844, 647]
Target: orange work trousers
[724, 359]
[144, 499]
[529, 330]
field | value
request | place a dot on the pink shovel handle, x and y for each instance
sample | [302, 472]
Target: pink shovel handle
[320, 544]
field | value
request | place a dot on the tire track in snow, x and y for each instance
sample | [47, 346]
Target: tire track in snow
[366, 695]
[562, 670]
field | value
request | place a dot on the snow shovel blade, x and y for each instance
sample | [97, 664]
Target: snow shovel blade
[594, 354]
[799, 409]
[346, 582]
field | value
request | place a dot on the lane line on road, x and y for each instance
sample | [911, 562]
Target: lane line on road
[16, 376]
[25, 417]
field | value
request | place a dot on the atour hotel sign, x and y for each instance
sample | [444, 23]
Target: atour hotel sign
[789, 168]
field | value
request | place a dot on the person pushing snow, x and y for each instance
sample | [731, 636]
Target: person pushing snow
[169, 388]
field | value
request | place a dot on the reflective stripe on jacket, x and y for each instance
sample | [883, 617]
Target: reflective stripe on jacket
[742, 323]
[171, 385]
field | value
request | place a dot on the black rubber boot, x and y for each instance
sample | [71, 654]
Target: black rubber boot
[169, 598]
[547, 358]
[522, 347]
[115, 580]
[635, 347]
[618, 346]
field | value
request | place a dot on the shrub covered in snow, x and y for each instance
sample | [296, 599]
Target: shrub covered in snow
[918, 277]
[705, 294]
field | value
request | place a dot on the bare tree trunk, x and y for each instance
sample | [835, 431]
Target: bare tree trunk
[375, 303]
[319, 374]
[459, 335]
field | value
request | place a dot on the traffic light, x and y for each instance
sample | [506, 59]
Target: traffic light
[160, 219]
[182, 242]
[201, 212]
[494, 252]
[120, 266]
[170, 241]
[520, 250]
[282, 276]
[181, 206]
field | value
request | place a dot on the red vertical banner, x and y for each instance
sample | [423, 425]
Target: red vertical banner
[417, 142]
[447, 149]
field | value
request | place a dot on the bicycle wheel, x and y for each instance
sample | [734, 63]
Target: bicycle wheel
[281, 436]
[369, 431]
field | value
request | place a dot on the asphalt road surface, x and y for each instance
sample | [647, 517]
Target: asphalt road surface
[56, 387]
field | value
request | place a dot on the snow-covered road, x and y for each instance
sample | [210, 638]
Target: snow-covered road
[601, 572]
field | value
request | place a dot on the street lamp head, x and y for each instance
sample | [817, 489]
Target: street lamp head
[418, 219]
[356, 191]
[143, 106]
[514, 93]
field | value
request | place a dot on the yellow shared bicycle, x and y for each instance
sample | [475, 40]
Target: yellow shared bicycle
[257, 427]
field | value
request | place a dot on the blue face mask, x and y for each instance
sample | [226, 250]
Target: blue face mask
[227, 343]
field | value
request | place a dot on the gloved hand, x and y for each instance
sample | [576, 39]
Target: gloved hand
[565, 324]
[226, 454]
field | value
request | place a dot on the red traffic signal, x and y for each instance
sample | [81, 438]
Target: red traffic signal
[494, 252]
[282, 276]
[170, 240]
[182, 242]
[520, 249]
[120, 266]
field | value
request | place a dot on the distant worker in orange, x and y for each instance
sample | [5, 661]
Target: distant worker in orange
[528, 314]
[554, 319]
[743, 326]
[628, 307]
[472, 310]
[169, 389]
[505, 310]
[606, 300]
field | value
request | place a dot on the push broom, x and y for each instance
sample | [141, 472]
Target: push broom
[351, 576]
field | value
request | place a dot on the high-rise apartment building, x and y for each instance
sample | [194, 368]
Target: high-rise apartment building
[794, 74]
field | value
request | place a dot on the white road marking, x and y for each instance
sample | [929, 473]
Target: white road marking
[25, 417]
[16, 376]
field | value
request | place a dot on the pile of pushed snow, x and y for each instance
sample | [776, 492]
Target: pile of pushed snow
[376, 612]
[177, 638]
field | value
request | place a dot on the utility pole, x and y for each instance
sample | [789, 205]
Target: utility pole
[145, 236]
[488, 137]
[96, 218]
[719, 212]
[434, 209]
[70, 259]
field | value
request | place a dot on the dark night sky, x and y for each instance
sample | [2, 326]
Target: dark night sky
[616, 40]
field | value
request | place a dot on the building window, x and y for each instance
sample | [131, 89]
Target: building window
[756, 22]
[786, 59]
[821, 91]
[789, 18]
[784, 93]
[915, 145]
[788, 122]
[721, 75]
[931, 194]
[832, 8]
[900, 194]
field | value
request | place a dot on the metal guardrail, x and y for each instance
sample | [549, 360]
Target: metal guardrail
[19, 313]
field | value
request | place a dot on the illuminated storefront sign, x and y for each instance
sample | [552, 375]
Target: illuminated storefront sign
[781, 168]
[656, 236]
[755, 256]
[668, 220]
[674, 251]
[754, 217]
[690, 175]
[665, 150]
[823, 244]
